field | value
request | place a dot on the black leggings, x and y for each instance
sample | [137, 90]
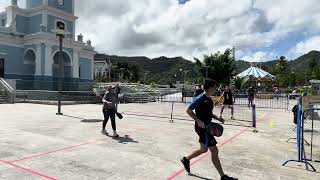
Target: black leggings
[109, 113]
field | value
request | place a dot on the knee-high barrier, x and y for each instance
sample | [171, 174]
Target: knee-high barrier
[306, 126]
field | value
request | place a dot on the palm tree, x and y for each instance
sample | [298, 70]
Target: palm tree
[282, 65]
[218, 66]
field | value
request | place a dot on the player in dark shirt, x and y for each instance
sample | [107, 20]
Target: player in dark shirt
[203, 106]
[228, 100]
[251, 92]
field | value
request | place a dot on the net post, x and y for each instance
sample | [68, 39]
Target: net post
[171, 118]
[254, 118]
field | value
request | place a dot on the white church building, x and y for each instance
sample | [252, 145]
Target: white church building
[29, 48]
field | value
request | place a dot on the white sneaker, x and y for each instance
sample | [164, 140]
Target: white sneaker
[115, 134]
[104, 132]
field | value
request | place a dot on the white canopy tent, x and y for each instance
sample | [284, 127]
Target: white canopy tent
[255, 72]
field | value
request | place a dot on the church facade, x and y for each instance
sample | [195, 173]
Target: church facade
[29, 48]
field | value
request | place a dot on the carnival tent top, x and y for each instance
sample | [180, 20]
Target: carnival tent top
[255, 72]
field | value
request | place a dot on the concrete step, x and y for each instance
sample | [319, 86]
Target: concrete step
[4, 101]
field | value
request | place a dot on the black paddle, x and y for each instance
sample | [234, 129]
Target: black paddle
[119, 115]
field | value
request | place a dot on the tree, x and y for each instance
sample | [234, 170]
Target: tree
[265, 67]
[281, 67]
[122, 71]
[219, 66]
[314, 70]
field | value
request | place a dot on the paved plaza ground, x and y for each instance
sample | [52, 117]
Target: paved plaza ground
[37, 144]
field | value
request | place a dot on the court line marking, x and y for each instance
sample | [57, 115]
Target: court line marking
[66, 148]
[28, 170]
[202, 157]
[219, 146]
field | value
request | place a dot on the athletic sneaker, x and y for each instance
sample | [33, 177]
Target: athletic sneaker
[225, 177]
[115, 134]
[186, 164]
[104, 132]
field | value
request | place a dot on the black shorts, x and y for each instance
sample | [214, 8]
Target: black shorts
[205, 138]
[250, 98]
[228, 102]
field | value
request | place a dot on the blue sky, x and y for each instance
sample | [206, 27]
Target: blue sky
[282, 47]
[259, 29]
[183, 1]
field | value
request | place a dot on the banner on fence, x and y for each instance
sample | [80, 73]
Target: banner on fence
[307, 100]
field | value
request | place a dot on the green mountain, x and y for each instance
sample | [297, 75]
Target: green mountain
[301, 64]
[163, 70]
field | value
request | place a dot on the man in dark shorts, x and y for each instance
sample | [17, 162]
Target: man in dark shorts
[251, 92]
[228, 100]
[203, 106]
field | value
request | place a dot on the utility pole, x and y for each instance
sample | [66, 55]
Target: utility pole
[234, 52]
[110, 70]
[206, 71]
[145, 77]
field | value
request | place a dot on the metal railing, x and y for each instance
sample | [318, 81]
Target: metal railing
[261, 100]
[264, 100]
[311, 127]
[41, 96]
[311, 116]
[8, 89]
[68, 85]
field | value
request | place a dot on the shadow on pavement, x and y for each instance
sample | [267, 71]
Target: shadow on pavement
[92, 120]
[85, 120]
[125, 139]
[200, 177]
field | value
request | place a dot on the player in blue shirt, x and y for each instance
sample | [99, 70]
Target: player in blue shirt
[203, 106]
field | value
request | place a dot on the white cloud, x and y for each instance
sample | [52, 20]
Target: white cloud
[167, 28]
[304, 47]
[164, 27]
[256, 57]
[291, 15]
[5, 3]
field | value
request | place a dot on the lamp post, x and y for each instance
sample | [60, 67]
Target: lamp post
[185, 75]
[145, 77]
[175, 78]
[60, 33]
[60, 74]
[180, 75]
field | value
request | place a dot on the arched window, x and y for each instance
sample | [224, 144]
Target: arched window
[29, 61]
[29, 57]
[66, 61]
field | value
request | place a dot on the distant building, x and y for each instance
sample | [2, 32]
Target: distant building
[101, 69]
[29, 49]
